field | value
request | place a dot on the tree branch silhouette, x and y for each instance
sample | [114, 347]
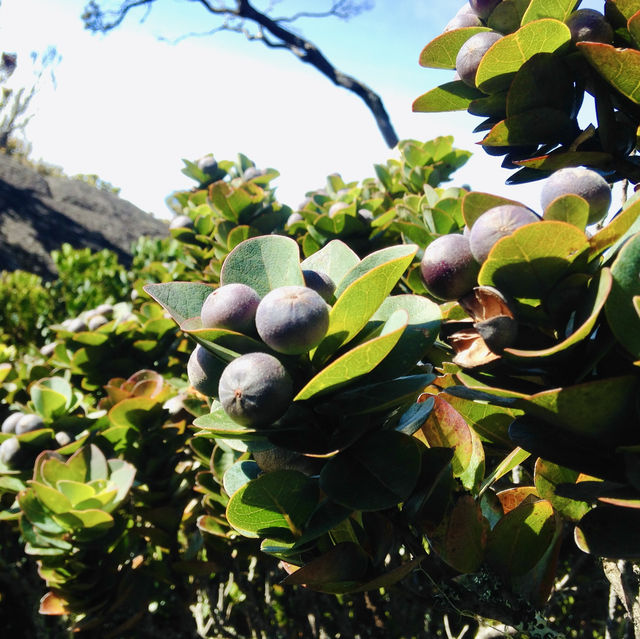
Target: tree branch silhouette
[271, 32]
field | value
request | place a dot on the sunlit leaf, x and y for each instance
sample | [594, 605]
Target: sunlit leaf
[619, 67]
[530, 261]
[507, 55]
[558, 9]
[521, 538]
[263, 263]
[335, 259]
[359, 361]
[180, 299]
[274, 505]
[451, 96]
[445, 427]
[441, 52]
[547, 477]
[359, 295]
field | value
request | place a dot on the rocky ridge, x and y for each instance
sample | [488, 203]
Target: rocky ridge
[39, 213]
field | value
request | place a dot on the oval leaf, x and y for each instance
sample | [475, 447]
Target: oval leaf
[507, 55]
[264, 263]
[521, 538]
[619, 67]
[451, 96]
[358, 361]
[530, 261]
[335, 259]
[441, 52]
[360, 294]
[376, 473]
[275, 505]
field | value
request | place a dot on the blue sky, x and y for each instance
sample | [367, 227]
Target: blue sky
[128, 106]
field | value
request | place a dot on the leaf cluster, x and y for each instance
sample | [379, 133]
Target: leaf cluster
[531, 84]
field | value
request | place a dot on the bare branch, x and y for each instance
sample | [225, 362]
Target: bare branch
[344, 9]
[279, 38]
[95, 19]
[309, 53]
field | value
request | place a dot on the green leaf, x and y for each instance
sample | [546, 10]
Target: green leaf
[599, 290]
[507, 15]
[46, 393]
[598, 409]
[88, 523]
[51, 498]
[358, 361]
[50, 470]
[335, 259]
[446, 428]
[558, 9]
[451, 96]
[75, 491]
[360, 294]
[569, 208]
[619, 67]
[624, 9]
[132, 412]
[221, 341]
[628, 221]
[377, 472]
[530, 261]
[239, 474]
[421, 332]
[275, 505]
[218, 424]
[490, 422]
[542, 81]
[610, 532]
[521, 538]
[412, 419]
[393, 259]
[513, 459]
[180, 299]
[441, 52]
[90, 462]
[47, 402]
[36, 514]
[547, 477]
[507, 55]
[390, 577]
[620, 310]
[121, 475]
[538, 126]
[381, 396]
[240, 234]
[566, 448]
[232, 202]
[264, 263]
[492, 106]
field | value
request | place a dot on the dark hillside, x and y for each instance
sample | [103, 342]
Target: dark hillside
[38, 214]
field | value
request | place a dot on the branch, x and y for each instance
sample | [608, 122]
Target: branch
[96, 19]
[343, 9]
[307, 52]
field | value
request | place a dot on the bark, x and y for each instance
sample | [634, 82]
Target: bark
[624, 577]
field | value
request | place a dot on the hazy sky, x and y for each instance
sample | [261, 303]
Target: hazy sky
[128, 106]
